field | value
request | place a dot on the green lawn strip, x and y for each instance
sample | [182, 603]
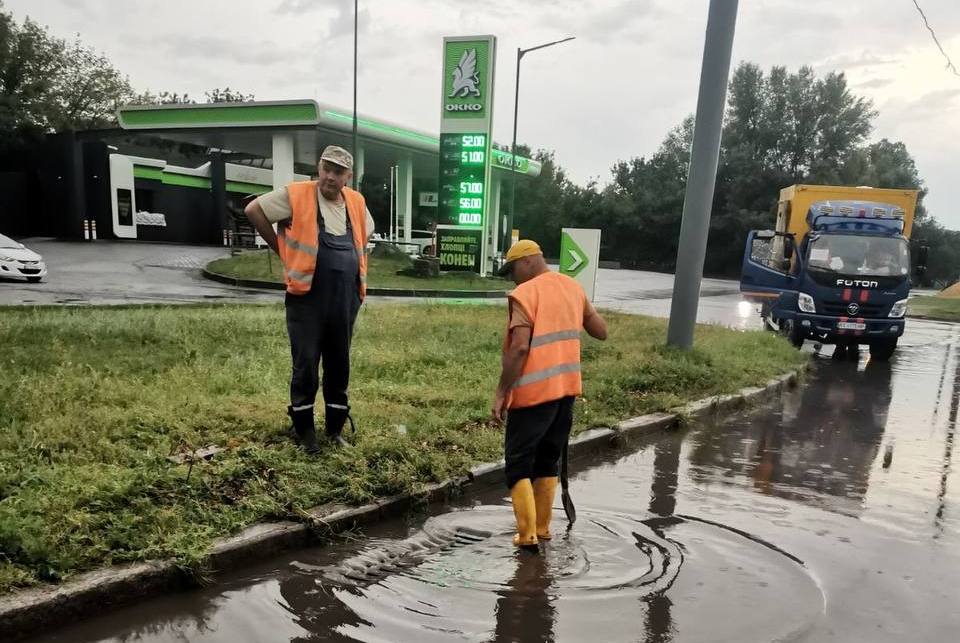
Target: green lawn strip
[382, 273]
[943, 308]
[95, 399]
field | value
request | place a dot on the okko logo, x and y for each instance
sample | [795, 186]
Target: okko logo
[466, 83]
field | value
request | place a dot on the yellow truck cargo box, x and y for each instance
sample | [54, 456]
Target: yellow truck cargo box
[795, 202]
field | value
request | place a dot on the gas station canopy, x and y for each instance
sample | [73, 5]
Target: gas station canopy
[295, 132]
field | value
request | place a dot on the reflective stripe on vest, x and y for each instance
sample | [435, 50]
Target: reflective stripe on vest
[538, 376]
[558, 336]
[301, 238]
[300, 276]
[554, 304]
[293, 244]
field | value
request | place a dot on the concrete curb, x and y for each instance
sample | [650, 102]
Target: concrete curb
[28, 612]
[376, 292]
[932, 318]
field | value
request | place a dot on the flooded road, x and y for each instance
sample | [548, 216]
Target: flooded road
[829, 515]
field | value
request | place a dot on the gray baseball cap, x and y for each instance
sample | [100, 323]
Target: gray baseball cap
[338, 156]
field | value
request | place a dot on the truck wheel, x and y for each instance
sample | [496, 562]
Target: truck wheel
[794, 335]
[883, 350]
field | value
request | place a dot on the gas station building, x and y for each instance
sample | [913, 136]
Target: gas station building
[172, 172]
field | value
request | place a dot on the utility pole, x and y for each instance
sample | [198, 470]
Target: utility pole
[702, 176]
[355, 150]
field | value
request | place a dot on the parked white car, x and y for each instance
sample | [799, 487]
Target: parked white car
[16, 260]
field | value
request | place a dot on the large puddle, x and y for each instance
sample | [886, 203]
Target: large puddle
[827, 516]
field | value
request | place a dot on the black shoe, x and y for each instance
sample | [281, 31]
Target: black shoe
[336, 418]
[338, 441]
[304, 431]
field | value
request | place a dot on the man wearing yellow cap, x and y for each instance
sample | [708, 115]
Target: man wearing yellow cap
[539, 381]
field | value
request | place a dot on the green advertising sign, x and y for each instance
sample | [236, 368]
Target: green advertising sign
[458, 248]
[466, 77]
[466, 147]
[580, 256]
[572, 257]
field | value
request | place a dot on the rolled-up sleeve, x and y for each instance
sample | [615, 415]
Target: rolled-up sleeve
[276, 205]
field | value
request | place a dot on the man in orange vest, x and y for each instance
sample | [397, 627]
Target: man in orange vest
[539, 381]
[323, 228]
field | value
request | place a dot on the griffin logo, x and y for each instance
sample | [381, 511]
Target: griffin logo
[466, 80]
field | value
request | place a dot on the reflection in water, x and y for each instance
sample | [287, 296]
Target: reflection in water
[948, 448]
[524, 609]
[819, 448]
[306, 603]
[663, 503]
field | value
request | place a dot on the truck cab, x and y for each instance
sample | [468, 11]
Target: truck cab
[841, 274]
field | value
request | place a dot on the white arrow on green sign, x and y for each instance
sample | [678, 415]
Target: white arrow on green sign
[572, 257]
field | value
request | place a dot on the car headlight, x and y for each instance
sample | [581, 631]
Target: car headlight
[5, 258]
[805, 302]
[899, 309]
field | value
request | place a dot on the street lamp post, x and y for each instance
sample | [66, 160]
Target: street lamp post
[508, 232]
[355, 152]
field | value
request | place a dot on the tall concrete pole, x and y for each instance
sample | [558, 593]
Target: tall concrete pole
[702, 176]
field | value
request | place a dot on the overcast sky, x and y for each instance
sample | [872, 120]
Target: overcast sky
[613, 93]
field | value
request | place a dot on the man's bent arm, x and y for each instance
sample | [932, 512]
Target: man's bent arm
[595, 326]
[257, 217]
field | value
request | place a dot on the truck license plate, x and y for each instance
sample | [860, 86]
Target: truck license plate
[851, 326]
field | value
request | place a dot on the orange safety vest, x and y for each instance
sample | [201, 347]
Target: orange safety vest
[299, 242]
[554, 304]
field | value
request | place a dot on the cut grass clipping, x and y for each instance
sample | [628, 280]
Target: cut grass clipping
[381, 273]
[95, 400]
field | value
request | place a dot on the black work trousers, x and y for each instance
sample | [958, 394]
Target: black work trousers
[534, 439]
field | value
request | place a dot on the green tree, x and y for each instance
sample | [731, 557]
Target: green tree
[29, 63]
[227, 95]
[47, 85]
[163, 98]
[87, 90]
[215, 95]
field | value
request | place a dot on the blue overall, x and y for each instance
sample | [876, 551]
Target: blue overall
[320, 324]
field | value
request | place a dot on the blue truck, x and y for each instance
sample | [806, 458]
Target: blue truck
[836, 269]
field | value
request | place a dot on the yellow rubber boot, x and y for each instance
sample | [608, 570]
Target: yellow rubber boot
[525, 511]
[544, 489]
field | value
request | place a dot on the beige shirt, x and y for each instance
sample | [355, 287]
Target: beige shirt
[276, 207]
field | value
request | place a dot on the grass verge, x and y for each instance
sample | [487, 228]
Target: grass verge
[94, 400]
[381, 273]
[942, 308]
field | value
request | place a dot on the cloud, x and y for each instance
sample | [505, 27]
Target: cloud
[856, 61]
[339, 24]
[217, 50]
[298, 6]
[875, 83]
[602, 24]
[941, 96]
